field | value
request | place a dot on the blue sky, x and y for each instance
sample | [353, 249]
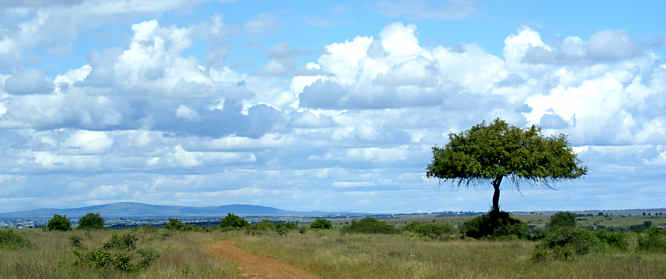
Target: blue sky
[315, 105]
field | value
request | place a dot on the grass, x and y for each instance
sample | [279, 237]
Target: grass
[336, 255]
[331, 254]
[50, 256]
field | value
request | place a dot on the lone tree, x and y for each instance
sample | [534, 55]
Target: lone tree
[91, 221]
[498, 151]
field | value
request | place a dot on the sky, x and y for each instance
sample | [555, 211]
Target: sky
[323, 105]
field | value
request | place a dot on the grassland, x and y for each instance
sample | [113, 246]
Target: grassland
[332, 254]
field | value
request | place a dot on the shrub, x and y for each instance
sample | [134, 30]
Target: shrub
[612, 239]
[562, 219]
[431, 230]
[9, 239]
[76, 241]
[321, 224]
[59, 223]
[125, 241]
[368, 225]
[175, 224]
[264, 226]
[652, 240]
[233, 221]
[283, 228]
[91, 221]
[564, 243]
[495, 225]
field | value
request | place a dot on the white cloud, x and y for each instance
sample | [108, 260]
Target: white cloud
[30, 81]
[261, 23]
[89, 141]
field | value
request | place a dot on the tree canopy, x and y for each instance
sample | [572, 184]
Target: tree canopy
[91, 221]
[499, 150]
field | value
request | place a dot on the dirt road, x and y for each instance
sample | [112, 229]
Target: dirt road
[252, 265]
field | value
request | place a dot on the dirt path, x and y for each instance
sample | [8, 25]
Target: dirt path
[252, 265]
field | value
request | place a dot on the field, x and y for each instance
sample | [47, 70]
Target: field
[327, 254]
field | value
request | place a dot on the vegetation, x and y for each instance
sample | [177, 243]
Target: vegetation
[562, 219]
[234, 222]
[175, 224]
[439, 231]
[495, 225]
[321, 224]
[9, 239]
[653, 240]
[59, 223]
[91, 221]
[368, 225]
[498, 151]
[564, 243]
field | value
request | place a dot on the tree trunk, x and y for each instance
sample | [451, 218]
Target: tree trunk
[496, 195]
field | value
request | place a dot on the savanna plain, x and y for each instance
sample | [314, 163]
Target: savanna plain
[625, 247]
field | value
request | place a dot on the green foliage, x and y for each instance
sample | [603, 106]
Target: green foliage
[369, 225]
[233, 221]
[264, 226]
[76, 241]
[59, 223]
[91, 221]
[125, 241]
[321, 224]
[562, 219]
[494, 225]
[440, 231]
[175, 224]
[9, 239]
[653, 240]
[283, 228]
[499, 150]
[565, 243]
[613, 239]
[116, 254]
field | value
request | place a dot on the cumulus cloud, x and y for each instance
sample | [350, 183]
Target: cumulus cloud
[603, 46]
[89, 141]
[30, 81]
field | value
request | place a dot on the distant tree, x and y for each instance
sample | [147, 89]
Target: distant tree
[498, 151]
[59, 223]
[175, 224]
[322, 224]
[562, 219]
[91, 221]
[233, 221]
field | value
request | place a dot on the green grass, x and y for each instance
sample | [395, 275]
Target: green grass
[337, 255]
[50, 256]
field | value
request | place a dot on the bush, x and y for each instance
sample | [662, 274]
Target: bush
[9, 239]
[439, 231]
[264, 226]
[368, 225]
[564, 243]
[175, 224]
[612, 239]
[495, 225]
[562, 219]
[59, 223]
[91, 221]
[125, 241]
[76, 241]
[233, 221]
[283, 228]
[321, 224]
[652, 240]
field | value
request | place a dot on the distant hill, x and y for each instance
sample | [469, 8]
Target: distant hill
[132, 209]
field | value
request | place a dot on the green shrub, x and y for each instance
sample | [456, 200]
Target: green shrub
[439, 231]
[124, 241]
[495, 225]
[76, 241]
[9, 239]
[652, 240]
[263, 226]
[368, 225]
[565, 243]
[91, 221]
[562, 219]
[612, 239]
[321, 224]
[175, 224]
[283, 228]
[59, 223]
[233, 221]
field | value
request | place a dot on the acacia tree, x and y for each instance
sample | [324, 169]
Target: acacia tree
[498, 151]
